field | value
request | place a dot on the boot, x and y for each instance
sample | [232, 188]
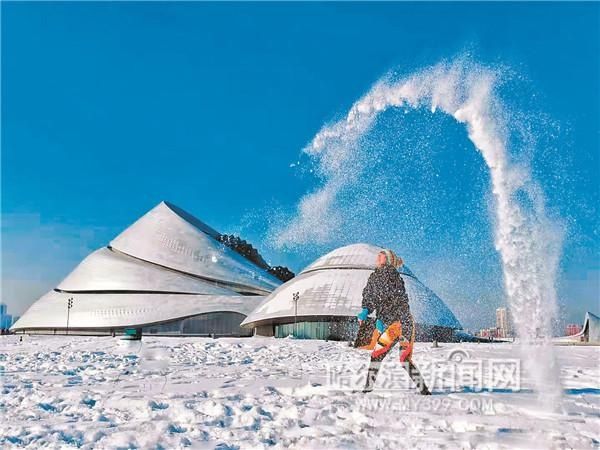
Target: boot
[416, 376]
[371, 377]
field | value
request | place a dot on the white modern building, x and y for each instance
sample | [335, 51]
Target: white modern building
[167, 273]
[329, 296]
[589, 334]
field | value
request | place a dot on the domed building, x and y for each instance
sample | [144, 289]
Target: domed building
[329, 296]
[168, 273]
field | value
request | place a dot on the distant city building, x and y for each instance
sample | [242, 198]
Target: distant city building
[572, 329]
[502, 330]
[491, 333]
[6, 320]
[487, 333]
[502, 323]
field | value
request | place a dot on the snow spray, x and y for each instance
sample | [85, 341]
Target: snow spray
[528, 241]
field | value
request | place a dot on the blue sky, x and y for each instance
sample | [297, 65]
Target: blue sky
[109, 108]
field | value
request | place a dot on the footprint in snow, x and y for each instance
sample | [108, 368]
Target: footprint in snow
[89, 402]
[47, 407]
[173, 429]
[223, 446]
[157, 406]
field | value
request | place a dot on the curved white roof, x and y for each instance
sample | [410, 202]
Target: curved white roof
[350, 256]
[125, 310]
[107, 270]
[354, 256]
[322, 293]
[333, 285]
[169, 237]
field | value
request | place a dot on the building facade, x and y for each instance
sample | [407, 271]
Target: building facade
[502, 324]
[6, 320]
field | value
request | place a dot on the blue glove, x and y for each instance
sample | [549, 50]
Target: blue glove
[363, 314]
[380, 326]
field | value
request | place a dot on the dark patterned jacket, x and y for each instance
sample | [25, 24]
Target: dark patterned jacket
[385, 294]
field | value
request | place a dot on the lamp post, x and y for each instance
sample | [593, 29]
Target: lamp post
[295, 299]
[69, 306]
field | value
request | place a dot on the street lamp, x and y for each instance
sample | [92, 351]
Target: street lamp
[69, 306]
[295, 299]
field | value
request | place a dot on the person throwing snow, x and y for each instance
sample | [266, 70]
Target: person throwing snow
[385, 295]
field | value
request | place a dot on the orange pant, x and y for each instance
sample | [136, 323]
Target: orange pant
[386, 341]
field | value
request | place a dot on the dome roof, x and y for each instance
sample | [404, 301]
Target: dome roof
[333, 285]
[354, 256]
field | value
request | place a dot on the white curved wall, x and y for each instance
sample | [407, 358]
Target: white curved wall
[106, 270]
[94, 311]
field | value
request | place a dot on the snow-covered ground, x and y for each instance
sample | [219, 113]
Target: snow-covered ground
[91, 392]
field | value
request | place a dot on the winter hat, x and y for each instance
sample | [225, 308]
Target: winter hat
[392, 259]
